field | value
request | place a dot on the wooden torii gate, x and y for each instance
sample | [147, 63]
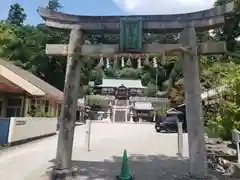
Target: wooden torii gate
[187, 49]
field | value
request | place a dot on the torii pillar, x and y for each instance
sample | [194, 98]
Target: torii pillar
[195, 124]
[64, 169]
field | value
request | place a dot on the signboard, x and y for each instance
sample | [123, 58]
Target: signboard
[131, 34]
[19, 123]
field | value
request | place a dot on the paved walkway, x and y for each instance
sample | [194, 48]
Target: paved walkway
[152, 156]
[149, 152]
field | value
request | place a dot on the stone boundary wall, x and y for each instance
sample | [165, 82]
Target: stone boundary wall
[23, 128]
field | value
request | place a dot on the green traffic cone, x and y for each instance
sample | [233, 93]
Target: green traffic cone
[125, 171]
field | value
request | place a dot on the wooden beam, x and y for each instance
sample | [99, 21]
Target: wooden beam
[201, 20]
[151, 26]
[206, 48]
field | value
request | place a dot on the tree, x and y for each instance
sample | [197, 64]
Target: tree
[54, 5]
[224, 116]
[96, 75]
[150, 91]
[110, 73]
[7, 35]
[16, 14]
[128, 73]
[231, 29]
[176, 95]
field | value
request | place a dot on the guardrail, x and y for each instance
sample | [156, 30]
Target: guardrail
[180, 139]
[236, 139]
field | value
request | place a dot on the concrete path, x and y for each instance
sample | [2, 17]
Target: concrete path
[151, 155]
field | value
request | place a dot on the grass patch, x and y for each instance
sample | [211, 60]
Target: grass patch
[211, 133]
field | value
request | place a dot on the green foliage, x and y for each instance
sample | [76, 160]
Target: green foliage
[160, 110]
[150, 91]
[128, 73]
[223, 117]
[27, 50]
[145, 78]
[176, 95]
[37, 112]
[231, 28]
[54, 5]
[25, 46]
[110, 73]
[85, 90]
[16, 14]
[97, 76]
[96, 100]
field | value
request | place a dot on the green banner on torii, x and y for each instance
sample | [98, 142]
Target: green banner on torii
[131, 34]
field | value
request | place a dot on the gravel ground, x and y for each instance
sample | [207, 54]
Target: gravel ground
[152, 156]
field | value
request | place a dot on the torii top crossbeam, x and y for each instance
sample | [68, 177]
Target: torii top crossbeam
[201, 20]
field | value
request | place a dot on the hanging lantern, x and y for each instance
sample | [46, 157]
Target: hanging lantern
[122, 62]
[129, 62]
[139, 62]
[107, 63]
[155, 62]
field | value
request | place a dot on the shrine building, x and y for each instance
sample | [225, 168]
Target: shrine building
[120, 88]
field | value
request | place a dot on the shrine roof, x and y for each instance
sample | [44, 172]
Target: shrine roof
[29, 82]
[119, 82]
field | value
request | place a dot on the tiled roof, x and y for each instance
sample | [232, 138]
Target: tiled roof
[173, 111]
[44, 86]
[118, 82]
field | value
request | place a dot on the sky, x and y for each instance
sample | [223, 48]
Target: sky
[108, 7]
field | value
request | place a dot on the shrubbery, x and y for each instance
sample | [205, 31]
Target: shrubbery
[223, 117]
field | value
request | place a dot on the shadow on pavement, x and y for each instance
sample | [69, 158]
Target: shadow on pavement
[142, 167]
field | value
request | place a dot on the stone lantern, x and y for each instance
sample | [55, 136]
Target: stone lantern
[131, 116]
[109, 112]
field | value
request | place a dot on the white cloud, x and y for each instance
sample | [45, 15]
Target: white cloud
[163, 6]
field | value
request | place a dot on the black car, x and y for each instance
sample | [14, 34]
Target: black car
[168, 124]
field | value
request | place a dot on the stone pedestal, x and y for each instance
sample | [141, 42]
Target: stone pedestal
[140, 120]
[180, 139]
[100, 115]
[108, 119]
[63, 174]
